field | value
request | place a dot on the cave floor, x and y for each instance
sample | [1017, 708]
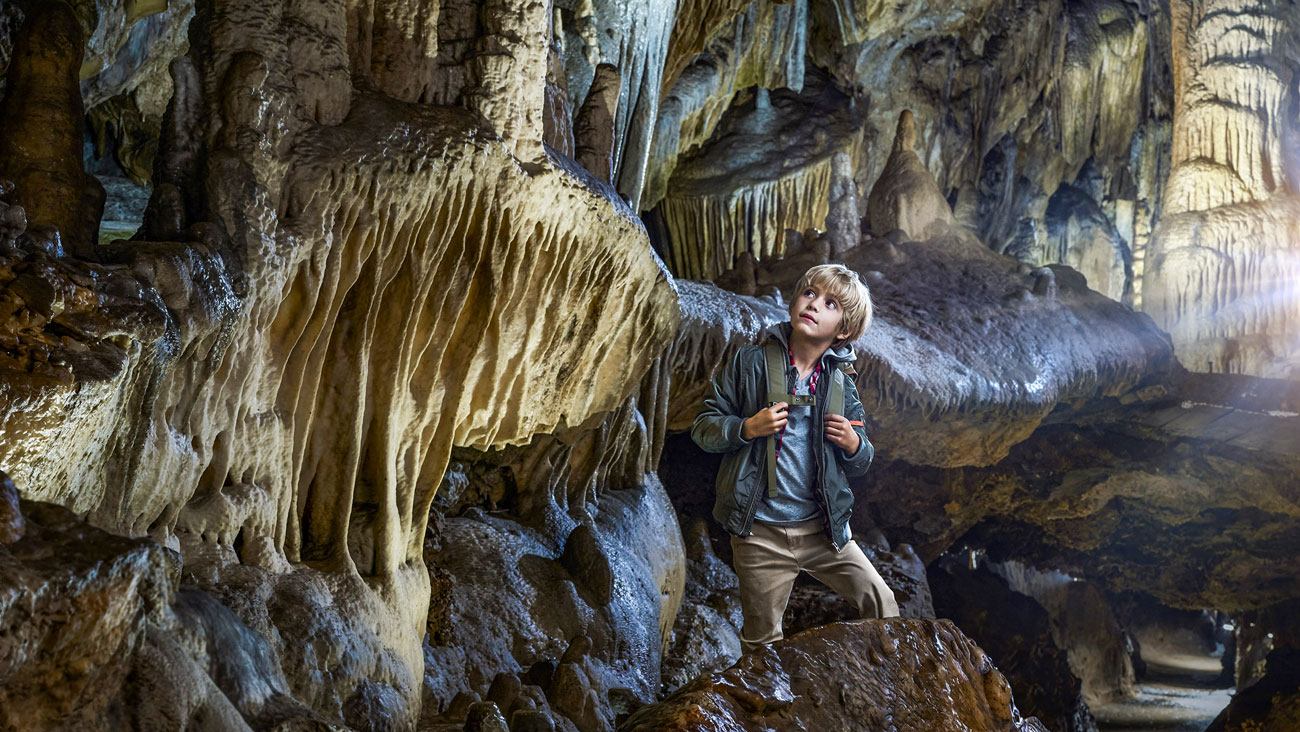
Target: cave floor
[1178, 694]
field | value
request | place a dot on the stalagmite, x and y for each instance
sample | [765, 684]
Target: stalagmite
[905, 197]
[593, 128]
[42, 124]
[842, 221]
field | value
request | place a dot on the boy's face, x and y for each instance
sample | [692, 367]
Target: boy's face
[816, 315]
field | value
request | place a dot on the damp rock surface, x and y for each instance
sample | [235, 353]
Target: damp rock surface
[1016, 631]
[906, 674]
[75, 603]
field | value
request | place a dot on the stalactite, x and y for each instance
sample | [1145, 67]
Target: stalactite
[709, 231]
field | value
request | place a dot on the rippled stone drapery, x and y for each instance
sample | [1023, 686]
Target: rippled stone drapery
[1225, 272]
[361, 282]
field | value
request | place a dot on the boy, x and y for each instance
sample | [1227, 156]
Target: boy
[800, 520]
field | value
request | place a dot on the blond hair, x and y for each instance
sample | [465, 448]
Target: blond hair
[848, 289]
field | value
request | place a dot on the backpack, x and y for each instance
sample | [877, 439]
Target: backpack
[778, 392]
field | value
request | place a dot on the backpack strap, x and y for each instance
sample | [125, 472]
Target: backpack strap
[777, 388]
[777, 391]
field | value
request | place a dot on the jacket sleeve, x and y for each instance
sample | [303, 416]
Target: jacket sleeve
[717, 426]
[856, 464]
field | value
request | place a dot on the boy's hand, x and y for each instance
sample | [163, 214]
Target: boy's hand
[765, 422]
[840, 432]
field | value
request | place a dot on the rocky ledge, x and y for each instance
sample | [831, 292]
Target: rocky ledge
[904, 674]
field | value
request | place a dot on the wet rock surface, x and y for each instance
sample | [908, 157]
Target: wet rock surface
[1270, 705]
[75, 603]
[100, 635]
[1017, 633]
[706, 634]
[557, 570]
[912, 674]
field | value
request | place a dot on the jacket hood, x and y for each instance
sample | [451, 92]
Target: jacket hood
[782, 331]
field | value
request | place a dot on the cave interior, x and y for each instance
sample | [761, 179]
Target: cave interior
[1079, 221]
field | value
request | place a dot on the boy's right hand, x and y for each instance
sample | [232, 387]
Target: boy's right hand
[765, 422]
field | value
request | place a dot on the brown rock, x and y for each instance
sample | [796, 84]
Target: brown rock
[74, 602]
[1017, 633]
[43, 124]
[568, 692]
[905, 195]
[864, 675]
[593, 128]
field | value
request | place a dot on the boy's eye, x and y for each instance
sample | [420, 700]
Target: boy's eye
[832, 304]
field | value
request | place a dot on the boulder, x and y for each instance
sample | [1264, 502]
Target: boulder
[861, 675]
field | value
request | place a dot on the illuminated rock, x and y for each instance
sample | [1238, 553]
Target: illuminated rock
[363, 284]
[733, 47]
[1224, 272]
[768, 169]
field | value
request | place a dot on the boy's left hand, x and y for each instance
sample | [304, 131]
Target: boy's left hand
[840, 432]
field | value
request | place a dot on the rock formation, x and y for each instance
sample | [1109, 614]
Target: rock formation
[905, 197]
[41, 115]
[1018, 632]
[918, 674]
[1224, 267]
[373, 418]
[1085, 626]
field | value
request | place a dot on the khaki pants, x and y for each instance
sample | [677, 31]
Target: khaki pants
[768, 560]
